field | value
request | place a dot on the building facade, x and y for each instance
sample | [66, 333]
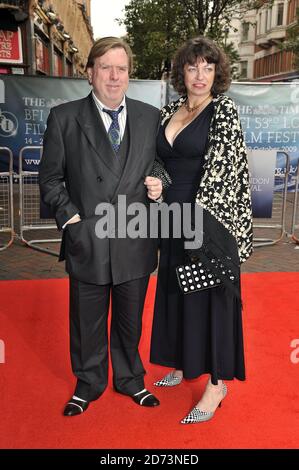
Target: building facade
[271, 63]
[258, 37]
[45, 37]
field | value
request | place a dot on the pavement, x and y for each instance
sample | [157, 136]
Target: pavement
[19, 261]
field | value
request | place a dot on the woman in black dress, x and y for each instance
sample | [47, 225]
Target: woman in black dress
[202, 146]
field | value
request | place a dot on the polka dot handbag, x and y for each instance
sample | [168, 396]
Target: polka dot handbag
[195, 276]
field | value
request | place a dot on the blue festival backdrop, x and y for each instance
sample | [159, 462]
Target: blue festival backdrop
[269, 115]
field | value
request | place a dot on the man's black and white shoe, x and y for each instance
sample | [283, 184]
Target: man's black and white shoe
[145, 398]
[75, 406]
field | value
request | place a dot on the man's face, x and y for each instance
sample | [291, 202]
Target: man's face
[110, 76]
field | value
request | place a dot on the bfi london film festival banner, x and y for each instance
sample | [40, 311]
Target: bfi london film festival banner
[270, 120]
[25, 103]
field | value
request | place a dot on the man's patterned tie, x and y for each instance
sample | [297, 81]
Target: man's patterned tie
[114, 130]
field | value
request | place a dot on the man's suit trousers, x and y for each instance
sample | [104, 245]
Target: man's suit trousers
[89, 307]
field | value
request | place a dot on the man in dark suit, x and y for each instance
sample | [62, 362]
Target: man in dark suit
[96, 149]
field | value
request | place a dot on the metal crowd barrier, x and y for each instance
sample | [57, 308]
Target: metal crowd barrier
[6, 201]
[30, 219]
[295, 215]
[278, 219]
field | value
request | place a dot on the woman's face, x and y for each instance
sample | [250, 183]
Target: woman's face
[199, 78]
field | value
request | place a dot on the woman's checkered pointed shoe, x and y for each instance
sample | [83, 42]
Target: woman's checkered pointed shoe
[198, 416]
[170, 380]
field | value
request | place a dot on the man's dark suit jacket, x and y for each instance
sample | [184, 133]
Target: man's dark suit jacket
[79, 170]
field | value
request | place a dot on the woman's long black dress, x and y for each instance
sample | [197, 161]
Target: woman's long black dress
[199, 332]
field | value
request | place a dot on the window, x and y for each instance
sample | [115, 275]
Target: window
[57, 66]
[268, 19]
[42, 56]
[275, 63]
[292, 7]
[68, 68]
[271, 58]
[245, 31]
[257, 68]
[289, 61]
[244, 67]
[280, 14]
[260, 24]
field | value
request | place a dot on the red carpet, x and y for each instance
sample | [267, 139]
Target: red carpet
[36, 380]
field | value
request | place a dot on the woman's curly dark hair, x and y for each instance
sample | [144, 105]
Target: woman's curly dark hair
[205, 48]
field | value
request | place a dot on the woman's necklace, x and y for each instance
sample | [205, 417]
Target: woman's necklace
[190, 110]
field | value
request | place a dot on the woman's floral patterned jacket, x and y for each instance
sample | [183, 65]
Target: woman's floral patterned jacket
[224, 189]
